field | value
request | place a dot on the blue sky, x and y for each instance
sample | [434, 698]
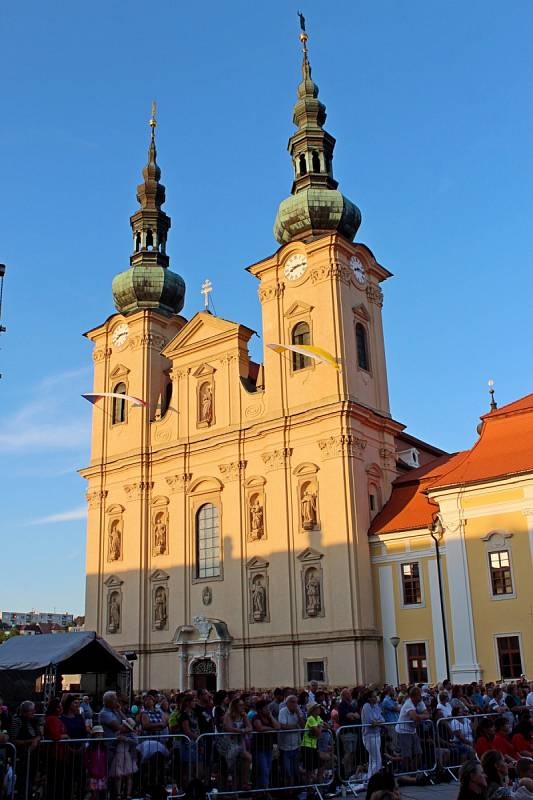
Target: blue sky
[430, 103]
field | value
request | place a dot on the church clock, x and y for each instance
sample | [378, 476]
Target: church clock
[295, 266]
[358, 270]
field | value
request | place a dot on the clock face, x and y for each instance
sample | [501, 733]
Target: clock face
[295, 267]
[120, 335]
[358, 270]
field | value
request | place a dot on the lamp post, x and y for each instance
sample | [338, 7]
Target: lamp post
[436, 530]
[395, 641]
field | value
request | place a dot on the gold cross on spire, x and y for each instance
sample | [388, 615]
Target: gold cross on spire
[207, 287]
[153, 120]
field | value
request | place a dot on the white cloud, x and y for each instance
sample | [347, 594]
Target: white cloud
[62, 516]
[48, 420]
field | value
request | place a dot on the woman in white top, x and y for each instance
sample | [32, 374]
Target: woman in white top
[372, 720]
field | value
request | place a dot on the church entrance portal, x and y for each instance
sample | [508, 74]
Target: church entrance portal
[204, 674]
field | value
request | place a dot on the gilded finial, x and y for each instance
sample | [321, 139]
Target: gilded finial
[153, 120]
[303, 33]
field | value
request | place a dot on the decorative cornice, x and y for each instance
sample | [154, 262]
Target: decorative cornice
[100, 355]
[375, 295]
[178, 483]
[335, 271]
[96, 498]
[153, 340]
[269, 292]
[232, 470]
[135, 491]
[276, 458]
[342, 444]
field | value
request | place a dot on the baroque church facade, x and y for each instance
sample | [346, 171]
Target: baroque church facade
[229, 507]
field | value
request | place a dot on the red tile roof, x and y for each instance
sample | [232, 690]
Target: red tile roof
[505, 447]
[409, 507]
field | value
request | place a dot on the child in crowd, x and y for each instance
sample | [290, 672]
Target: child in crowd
[96, 764]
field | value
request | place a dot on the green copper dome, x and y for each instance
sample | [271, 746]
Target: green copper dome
[148, 283]
[313, 211]
[315, 206]
[148, 287]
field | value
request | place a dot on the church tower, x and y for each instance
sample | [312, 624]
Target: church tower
[128, 364]
[229, 504]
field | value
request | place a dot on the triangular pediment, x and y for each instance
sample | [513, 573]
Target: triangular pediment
[204, 370]
[298, 309]
[119, 371]
[159, 575]
[361, 312]
[204, 328]
[309, 554]
[257, 563]
[113, 581]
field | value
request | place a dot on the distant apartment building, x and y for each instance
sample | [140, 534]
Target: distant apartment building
[36, 618]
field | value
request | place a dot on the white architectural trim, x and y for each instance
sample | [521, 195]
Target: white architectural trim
[466, 667]
[388, 620]
[436, 620]
[407, 555]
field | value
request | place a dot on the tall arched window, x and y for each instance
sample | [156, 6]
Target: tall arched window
[207, 542]
[300, 335]
[149, 240]
[316, 161]
[303, 164]
[137, 242]
[362, 346]
[119, 404]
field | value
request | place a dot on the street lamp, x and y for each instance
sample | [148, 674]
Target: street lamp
[436, 530]
[395, 641]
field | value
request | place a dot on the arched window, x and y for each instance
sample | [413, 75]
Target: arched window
[207, 542]
[137, 242]
[362, 347]
[316, 161]
[300, 335]
[303, 164]
[167, 397]
[119, 404]
[149, 239]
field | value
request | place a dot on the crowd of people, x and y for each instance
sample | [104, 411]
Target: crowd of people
[157, 744]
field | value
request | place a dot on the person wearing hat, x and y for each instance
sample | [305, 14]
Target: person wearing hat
[96, 763]
[313, 729]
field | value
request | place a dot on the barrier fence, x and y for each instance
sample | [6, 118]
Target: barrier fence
[235, 763]
[8, 758]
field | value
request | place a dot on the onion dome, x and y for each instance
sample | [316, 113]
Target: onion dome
[148, 283]
[315, 206]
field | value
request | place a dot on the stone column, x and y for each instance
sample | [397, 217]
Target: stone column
[182, 678]
[221, 660]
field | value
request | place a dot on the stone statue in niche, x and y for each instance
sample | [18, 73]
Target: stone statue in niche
[313, 602]
[206, 404]
[257, 525]
[115, 541]
[207, 596]
[113, 613]
[259, 599]
[160, 533]
[160, 608]
[308, 508]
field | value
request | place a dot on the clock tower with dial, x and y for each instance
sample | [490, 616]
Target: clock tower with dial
[228, 506]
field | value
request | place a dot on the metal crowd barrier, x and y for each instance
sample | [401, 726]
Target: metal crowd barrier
[8, 759]
[362, 750]
[104, 769]
[259, 762]
[452, 752]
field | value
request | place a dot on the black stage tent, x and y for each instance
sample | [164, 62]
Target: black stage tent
[26, 659]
